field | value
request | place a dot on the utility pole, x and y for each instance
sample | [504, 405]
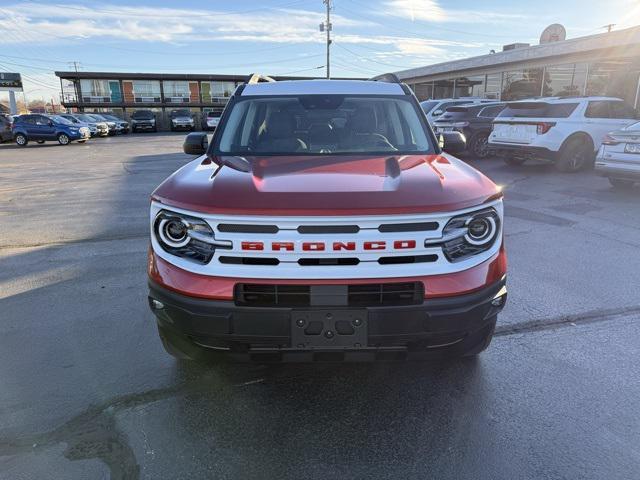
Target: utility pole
[326, 26]
[609, 26]
[76, 65]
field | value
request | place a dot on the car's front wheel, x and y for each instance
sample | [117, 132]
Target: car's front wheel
[21, 140]
[63, 139]
[621, 183]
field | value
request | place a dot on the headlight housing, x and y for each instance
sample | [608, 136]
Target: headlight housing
[186, 236]
[469, 234]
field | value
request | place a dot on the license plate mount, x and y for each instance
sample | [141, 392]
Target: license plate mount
[329, 329]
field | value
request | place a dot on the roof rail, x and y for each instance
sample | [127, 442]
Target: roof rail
[386, 77]
[257, 78]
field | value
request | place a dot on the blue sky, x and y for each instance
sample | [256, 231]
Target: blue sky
[275, 36]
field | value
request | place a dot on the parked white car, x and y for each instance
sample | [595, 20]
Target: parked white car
[619, 156]
[434, 108]
[565, 131]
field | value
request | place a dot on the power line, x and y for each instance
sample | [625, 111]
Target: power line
[300, 71]
[369, 59]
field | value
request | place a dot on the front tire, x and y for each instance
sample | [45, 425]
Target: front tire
[63, 139]
[620, 183]
[21, 140]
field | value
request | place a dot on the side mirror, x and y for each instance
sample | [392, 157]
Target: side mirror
[452, 142]
[437, 113]
[51, 123]
[196, 143]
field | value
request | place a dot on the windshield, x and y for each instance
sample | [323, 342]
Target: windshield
[180, 113]
[110, 117]
[86, 118]
[428, 106]
[633, 126]
[323, 124]
[59, 119]
[142, 115]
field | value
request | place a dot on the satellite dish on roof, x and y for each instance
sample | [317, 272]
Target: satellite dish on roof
[553, 33]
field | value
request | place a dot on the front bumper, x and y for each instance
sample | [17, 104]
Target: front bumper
[143, 126]
[182, 126]
[248, 333]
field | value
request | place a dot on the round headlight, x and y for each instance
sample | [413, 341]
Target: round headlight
[480, 230]
[174, 232]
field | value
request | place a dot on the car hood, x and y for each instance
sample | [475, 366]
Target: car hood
[182, 119]
[321, 185]
[142, 119]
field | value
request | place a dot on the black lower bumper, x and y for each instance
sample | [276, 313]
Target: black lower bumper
[225, 327]
[525, 152]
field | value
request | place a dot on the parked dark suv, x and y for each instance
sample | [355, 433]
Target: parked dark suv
[143, 120]
[474, 121]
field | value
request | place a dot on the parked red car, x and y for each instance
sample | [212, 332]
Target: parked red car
[326, 222]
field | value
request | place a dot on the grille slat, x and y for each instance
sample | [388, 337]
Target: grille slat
[319, 229]
[242, 228]
[408, 227]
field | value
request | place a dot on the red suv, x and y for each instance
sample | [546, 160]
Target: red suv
[326, 222]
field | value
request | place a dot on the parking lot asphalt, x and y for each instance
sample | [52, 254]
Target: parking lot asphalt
[86, 390]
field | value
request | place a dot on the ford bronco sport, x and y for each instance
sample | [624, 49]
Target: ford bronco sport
[326, 222]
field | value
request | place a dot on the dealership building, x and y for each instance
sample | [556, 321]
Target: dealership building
[602, 64]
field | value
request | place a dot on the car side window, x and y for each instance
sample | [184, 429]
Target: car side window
[29, 120]
[42, 120]
[491, 112]
[598, 109]
[621, 110]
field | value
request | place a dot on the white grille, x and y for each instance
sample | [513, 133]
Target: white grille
[369, 264]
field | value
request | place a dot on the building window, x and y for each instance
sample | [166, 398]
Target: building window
[493, 86]
[100, 91]
[423, 91]
[443, 89]
[519, 84]
[217, 91]
[564, 80]
[470, 86]
[176, 91]
[614, 79]
[141, 91]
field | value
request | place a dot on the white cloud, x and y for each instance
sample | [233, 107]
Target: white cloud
[422, 10]
[431, 11]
